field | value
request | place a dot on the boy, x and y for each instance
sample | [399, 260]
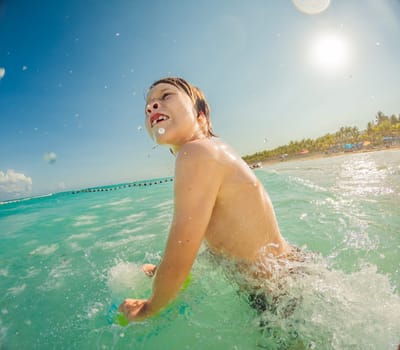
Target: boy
[218, 199]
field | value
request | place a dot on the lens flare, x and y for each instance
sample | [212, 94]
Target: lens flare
[311, 7]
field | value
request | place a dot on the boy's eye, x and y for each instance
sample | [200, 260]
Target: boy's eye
[165, 95]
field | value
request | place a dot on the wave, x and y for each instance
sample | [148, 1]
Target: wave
[19, 200]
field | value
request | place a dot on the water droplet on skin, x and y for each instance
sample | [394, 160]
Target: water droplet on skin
[161, 131]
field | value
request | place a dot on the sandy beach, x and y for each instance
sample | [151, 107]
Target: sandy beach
[320, 155]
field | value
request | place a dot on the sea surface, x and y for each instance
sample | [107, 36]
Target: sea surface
[66, 258]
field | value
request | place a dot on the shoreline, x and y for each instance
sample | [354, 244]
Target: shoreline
[322, 155]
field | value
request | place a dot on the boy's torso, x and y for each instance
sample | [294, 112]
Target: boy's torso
[243, 220]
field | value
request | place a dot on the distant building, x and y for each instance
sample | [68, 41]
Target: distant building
[283, 157]
[348, 147]
[256, 165]
[391, 140]
[367, 144]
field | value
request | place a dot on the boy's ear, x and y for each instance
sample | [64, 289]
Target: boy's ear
[202, 120]
[201, 117]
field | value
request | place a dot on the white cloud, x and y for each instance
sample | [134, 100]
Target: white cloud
[15, 184]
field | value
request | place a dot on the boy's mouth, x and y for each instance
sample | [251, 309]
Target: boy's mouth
[157, 118]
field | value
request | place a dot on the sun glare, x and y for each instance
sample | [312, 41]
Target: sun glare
[329, 52]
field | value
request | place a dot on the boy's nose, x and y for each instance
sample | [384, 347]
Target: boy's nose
[151, 107]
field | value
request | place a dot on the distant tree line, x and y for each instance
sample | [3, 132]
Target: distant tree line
[377, 132]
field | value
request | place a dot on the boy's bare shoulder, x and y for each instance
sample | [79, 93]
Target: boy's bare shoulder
[200, 149]
[198, 161]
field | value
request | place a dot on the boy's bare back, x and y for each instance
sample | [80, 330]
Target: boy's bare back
[242, 224]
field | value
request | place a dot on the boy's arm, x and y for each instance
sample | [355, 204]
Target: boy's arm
[197, 181]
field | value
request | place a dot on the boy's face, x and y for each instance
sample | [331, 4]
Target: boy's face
[170, 115]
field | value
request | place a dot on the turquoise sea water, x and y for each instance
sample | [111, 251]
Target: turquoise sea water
[65, 258]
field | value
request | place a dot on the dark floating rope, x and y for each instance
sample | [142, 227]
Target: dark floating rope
[127, 185]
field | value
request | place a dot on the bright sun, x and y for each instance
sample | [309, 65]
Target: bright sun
[329, 52]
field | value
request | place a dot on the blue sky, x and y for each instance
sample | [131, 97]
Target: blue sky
[73, 75]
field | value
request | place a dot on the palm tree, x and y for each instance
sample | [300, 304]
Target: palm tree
[380, 117]
[375, 131]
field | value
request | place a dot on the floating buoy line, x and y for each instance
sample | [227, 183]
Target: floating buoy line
[145, 183]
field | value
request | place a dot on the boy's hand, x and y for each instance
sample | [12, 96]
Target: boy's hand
[134, 309]
[149, 269]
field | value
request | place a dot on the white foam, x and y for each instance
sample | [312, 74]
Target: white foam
[126, 220]
[97, 206]
[127, 279]
[122, 242]
[163, 218]
[31, 242]
[122, 201]
[360, 240]
[32, 272]
[58, 219]
[45, 249]
[84, 220]
[308, 184]
[168, 203]
[132, 218]
[94, 309]
[79, 236]
[339, 309]
[128, 231]
[57, 276]
[16, 290]
[74, 246]
[3, 332]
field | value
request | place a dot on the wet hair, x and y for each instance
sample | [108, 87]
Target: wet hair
[196, 95]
